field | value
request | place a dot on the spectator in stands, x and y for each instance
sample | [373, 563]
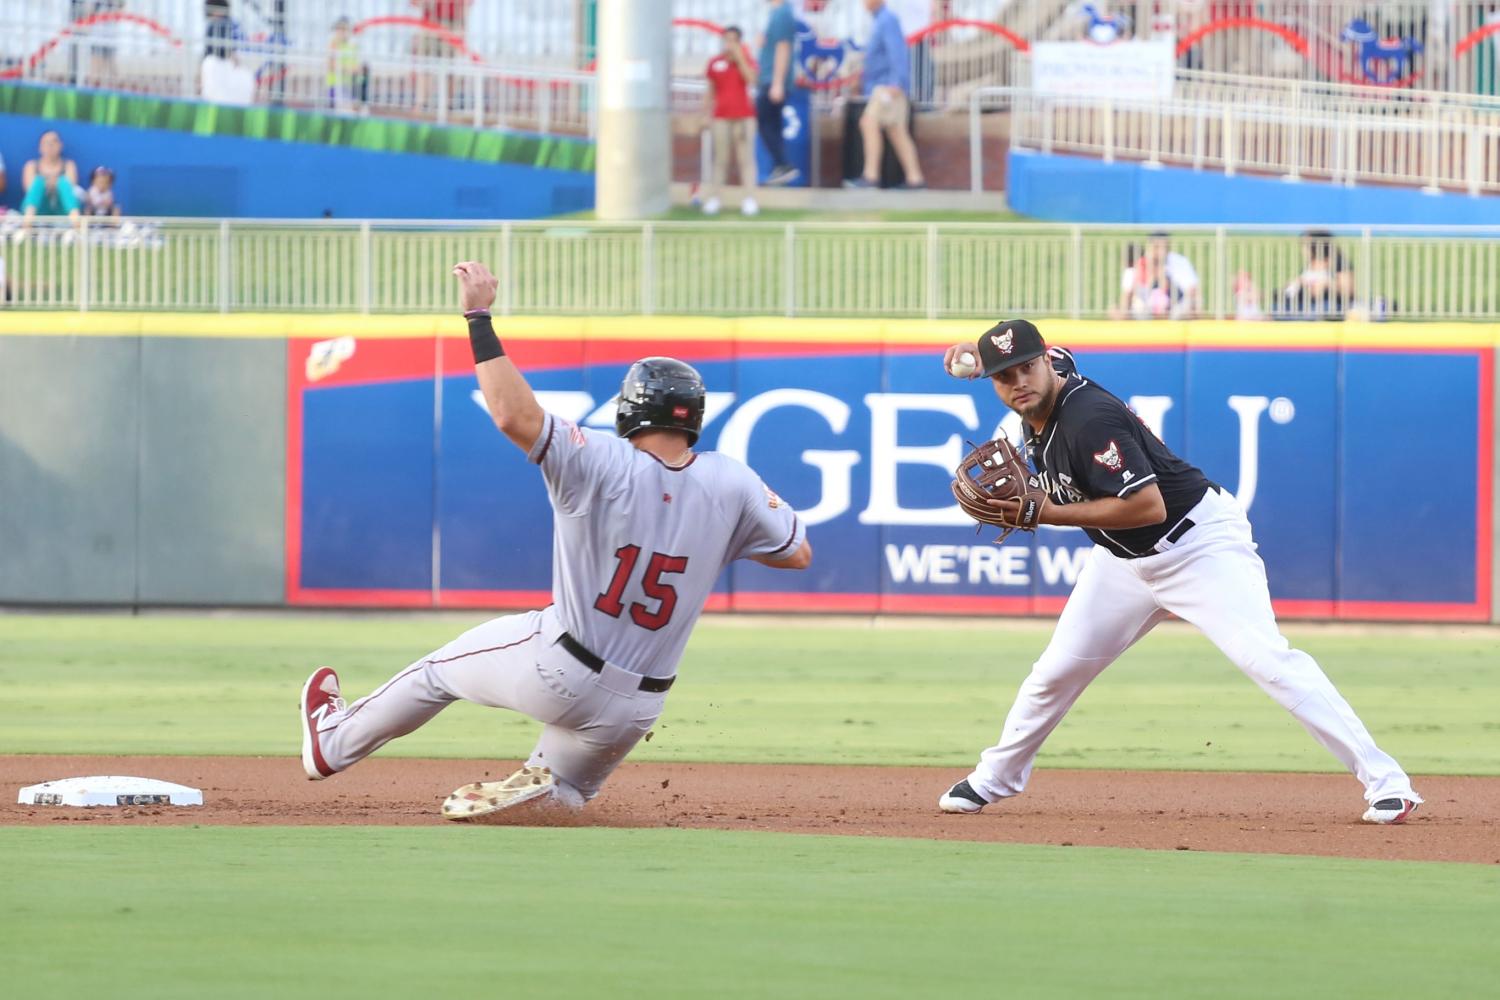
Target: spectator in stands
[732, 122]
[103, 37]
[99, 200]
[50, 181]
[1325, 288]
[774, 81]
[219, 30]
[1158, 284]
[347, 76]
[886, 83]
[222, 79]
[449, 15]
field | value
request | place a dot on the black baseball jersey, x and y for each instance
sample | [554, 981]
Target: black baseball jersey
[1094, 446]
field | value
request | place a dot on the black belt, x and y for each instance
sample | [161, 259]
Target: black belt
[1183, 527]
[591, 660]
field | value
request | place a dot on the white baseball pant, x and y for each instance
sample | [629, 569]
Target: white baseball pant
[1212, 578]
[590, 720]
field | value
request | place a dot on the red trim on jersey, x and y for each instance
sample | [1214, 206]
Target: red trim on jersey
[789, 541]
[551, 432]
[693, 457]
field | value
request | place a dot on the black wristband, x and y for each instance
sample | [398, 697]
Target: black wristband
[482, 340]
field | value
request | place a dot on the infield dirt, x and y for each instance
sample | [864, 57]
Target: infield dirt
[1315, 814]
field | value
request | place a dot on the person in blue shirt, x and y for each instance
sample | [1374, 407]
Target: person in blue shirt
[773, 81]
[886, 82]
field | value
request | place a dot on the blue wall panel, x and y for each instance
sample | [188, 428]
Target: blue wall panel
[1079, 189]
[166, 173]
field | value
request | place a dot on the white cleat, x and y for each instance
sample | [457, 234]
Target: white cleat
[961, 798]
[484, 798]
[711, 206]
[749, 207]
[1389, 811]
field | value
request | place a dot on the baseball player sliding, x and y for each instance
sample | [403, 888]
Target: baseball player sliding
[643, 527]
[1167, 541]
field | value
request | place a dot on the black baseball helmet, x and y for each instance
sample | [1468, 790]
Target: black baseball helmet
[661, 394]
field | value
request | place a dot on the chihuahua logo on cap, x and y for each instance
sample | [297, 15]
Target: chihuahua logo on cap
[1004, 342]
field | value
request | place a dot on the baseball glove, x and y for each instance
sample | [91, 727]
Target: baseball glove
[995, 470]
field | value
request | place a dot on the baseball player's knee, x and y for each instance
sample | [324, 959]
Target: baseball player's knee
[1052, 678]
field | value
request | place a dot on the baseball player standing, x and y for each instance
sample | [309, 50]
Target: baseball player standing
[643, 527]
[1166, 541]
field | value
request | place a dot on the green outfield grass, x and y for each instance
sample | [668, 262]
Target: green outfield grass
[750, 691]
[321, 913]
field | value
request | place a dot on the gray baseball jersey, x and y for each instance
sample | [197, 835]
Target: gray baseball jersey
[637, 544]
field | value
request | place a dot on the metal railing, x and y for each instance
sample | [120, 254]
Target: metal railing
[1291, 129]
[721, 268]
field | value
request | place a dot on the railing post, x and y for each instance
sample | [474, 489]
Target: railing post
[1154, 158]
[445, 89]
[933, 275]
[477, 95]
[976, 159]
[366, 267]
[1364, 274]
[507, 269]
[1228, 125]
[1434, 148]
[789, 269]
[1294, 135]
[1200, 139]
[1075, 265]
[81, 248]
[225, 271]
[1473, 159]
[1109, 131]
[1221, 273]
[546, 106]
[648, 269]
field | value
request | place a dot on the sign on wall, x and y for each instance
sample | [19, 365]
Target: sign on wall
[401, 491]
[1133, 70]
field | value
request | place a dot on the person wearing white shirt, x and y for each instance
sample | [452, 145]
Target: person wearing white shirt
[1160, 284]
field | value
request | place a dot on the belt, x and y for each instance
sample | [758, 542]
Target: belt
[1183, 527]
[589, 659]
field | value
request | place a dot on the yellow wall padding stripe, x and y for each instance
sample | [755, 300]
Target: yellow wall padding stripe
[1073, 333]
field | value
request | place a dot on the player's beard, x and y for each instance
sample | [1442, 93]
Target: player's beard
[1040, 408]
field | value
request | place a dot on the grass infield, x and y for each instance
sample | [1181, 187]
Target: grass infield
[379, 912]
[751, 691]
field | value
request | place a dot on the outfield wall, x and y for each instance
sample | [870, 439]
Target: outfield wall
[1084, 189]
[176, 173]
[346, 460]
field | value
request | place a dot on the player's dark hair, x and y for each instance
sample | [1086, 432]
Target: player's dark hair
[734, 29]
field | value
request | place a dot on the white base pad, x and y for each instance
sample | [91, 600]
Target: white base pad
[109, 790]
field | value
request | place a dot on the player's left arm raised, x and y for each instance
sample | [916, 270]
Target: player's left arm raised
[509, 398]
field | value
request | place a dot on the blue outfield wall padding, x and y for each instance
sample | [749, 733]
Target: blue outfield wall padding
[166, 173]
[1079, 189]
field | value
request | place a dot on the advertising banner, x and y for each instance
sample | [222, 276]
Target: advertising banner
[1133, 70]
[402, 492]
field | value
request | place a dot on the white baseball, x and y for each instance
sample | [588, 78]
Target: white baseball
[964, 365]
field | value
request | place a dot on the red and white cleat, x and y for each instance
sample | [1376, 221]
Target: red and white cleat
[1389, 811]
[320, 699]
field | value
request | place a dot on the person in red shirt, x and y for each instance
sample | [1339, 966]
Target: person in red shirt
[732, 122]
